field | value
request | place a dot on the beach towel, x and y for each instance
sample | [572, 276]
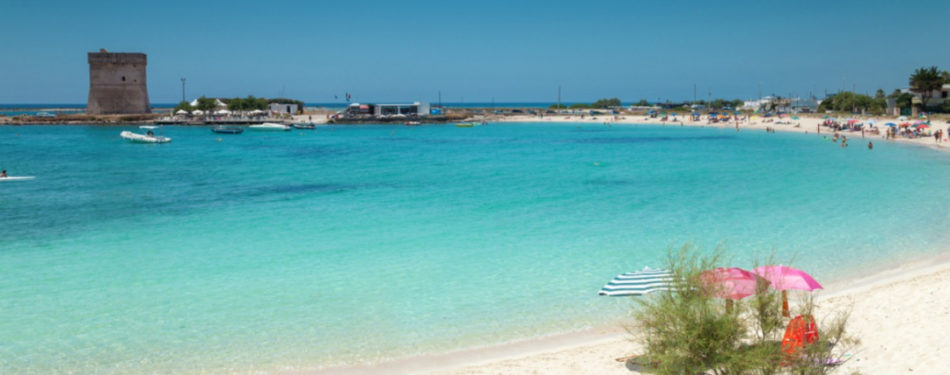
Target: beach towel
[800, 331]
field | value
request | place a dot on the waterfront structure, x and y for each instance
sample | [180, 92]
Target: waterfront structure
[117, 83]
[288, 108]
[387, 110]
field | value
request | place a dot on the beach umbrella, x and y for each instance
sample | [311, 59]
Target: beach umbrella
[787, 278]
[922, 126]
[729, 283]
[198, 112]
[637, 283]
[181, 112]
[891, 124]
[795, 118]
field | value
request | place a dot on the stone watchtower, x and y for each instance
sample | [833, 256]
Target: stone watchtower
[117, 83]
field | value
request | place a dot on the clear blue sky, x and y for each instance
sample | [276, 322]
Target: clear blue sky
[474, 50]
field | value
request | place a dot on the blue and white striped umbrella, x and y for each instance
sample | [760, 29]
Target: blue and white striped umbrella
[638, 283]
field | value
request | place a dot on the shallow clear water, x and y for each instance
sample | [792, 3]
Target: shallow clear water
[303, 249]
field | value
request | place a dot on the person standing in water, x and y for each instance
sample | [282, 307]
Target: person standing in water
[870, 146]
[3, 174]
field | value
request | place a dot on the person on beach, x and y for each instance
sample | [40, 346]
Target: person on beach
[3, 174]
[844, 141]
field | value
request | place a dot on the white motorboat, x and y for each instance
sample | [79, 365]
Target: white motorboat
[148, 137]
[17, 178]
[269, 126]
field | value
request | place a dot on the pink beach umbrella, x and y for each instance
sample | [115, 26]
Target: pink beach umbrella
[730, 283]
[785, 278]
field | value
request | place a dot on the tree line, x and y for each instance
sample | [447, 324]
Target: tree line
[249, 103]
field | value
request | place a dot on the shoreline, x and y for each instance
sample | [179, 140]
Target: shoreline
[594, 349]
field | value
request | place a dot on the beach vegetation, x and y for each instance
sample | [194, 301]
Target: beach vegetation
[850, 102]
[606, 103]
[925, 80]
[206, 104]
[687, 330]
[643, 103]
[558, 106]
[249, 103]
[185, 106]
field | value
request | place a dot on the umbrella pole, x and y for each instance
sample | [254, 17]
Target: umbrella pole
[785, 304]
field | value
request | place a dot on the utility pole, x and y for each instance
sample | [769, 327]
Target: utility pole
[558, 96]
[440, 98]
[182, 88]
[694, 93]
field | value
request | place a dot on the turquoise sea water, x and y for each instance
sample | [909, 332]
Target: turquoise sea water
[267, 251]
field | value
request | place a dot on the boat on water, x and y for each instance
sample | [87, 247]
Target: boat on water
[413, 123]
[148, 137]
[227, 130]
[16, 178]
[304, 125]
[269, 126]
[465, 125]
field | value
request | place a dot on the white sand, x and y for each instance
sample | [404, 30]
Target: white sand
[805, 124]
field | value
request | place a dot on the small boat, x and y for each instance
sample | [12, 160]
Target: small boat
[269, 126]
[148, 137]
[413, 123]
[227, 130]
[302, 125]
[17, 178]
[465, 125]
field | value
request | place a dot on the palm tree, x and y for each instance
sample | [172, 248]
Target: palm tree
[924, 81]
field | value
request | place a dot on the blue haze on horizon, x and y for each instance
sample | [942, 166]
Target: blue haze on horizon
[474, 51]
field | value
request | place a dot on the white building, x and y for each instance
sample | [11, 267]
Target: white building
[288, 108]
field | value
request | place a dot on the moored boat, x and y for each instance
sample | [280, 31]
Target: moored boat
[302, 125]
[269, 126]
[148, 137]
[465, 125]
[413, 123]
[227, 130]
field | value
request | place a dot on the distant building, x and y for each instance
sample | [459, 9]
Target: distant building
[117, 83]
[804, 105]
[388, 110]
[289, 108]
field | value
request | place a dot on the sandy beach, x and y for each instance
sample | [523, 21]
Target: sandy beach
[808, 124]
